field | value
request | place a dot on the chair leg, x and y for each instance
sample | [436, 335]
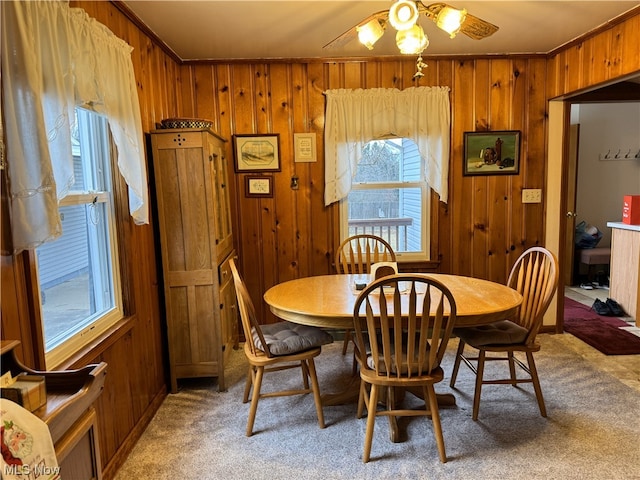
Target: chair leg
[347, 339]
[316, 391]
[305, 374]
[536, 383]
[456, 363]
[512, 369]
[247, 385]
[371, 420]
[435, 418]
[361, 399]
[354, 367]
[479, 374]
[257, 383]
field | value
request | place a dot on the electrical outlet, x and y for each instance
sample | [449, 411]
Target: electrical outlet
[532, 195]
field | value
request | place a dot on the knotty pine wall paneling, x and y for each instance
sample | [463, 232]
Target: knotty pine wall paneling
[600, 58]
[293, 234]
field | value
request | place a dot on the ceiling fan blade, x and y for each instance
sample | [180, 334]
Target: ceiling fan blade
[352, 33]
[477, 28]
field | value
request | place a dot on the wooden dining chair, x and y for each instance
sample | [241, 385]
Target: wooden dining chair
[402, 324]
[275, 347]
[535, 276]
[356, 254]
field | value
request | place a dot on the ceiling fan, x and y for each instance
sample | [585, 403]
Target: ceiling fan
[410, 37]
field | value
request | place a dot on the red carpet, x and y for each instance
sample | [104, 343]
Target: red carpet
[598, 331]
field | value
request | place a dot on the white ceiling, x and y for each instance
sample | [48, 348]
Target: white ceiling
[243, 29]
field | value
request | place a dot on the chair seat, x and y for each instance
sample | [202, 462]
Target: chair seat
[285, 338]
[498, 333]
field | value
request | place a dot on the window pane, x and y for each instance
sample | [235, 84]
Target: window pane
[76, 284]
[394, 214]
[392, 160]
[380, 162]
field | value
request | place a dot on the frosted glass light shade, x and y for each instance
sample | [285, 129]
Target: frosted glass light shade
[450, 20]
[412, 41]
[370, 33]
[403, 14]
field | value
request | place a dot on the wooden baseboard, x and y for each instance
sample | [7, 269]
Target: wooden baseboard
[121, 455]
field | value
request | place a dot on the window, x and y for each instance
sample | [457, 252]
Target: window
[78, 272]
[389, 198]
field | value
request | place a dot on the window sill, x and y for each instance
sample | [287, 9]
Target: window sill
[97, 347]
[418, 266]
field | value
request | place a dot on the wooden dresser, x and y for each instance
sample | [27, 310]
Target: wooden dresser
[68, 412]
[196, 240]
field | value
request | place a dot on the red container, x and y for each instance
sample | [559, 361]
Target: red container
[631, 209]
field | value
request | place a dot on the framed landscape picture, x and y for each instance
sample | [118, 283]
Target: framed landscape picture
[492, 153]
[257, 153]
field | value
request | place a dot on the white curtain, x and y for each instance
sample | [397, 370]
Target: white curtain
[355, 117]
[55, 58]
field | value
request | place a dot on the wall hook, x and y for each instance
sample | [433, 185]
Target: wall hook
[607, 155]
[638, 154]
[617, 155]
[628, 155]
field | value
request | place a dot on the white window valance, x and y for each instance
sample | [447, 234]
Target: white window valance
[55, 58]
[355, 117]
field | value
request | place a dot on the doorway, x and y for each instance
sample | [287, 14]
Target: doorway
[562, 187]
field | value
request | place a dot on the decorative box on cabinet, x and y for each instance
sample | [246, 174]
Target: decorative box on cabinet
[68, 412]
[196, 242]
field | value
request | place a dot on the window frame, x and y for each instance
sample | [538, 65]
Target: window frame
[89, 333]
[402, 257]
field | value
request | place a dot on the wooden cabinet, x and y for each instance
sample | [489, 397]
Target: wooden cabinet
[624, 282]
[68, 412]
[194, 221]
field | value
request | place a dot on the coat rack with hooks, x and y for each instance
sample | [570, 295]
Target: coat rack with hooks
[620, 154]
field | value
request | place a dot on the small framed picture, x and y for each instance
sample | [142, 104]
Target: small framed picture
[305, 147]
[492, 153]
[258, 186]
[257, 153]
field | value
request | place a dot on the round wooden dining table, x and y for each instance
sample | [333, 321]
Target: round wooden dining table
[327, 301]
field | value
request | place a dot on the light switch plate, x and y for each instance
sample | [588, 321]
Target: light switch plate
[532, 195]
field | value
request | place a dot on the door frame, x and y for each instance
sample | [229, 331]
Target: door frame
[556, 201]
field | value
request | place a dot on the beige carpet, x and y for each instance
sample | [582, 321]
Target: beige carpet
[592, 430]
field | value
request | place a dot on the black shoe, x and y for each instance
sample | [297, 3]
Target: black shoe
[602, 308]
[616, 309]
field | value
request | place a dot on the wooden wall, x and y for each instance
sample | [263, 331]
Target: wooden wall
[479, 232]
[482, 229]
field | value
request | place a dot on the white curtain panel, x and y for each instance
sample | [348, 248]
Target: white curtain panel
[355, 117]
[55, 58]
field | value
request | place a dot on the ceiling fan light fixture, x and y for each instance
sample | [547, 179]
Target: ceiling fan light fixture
[412, 41]
[370, 33]
[403, 14]
[450, 20]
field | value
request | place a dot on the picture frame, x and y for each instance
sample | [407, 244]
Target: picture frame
[492, 153]
[256, 153]
[305, 147]
[258, 186]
